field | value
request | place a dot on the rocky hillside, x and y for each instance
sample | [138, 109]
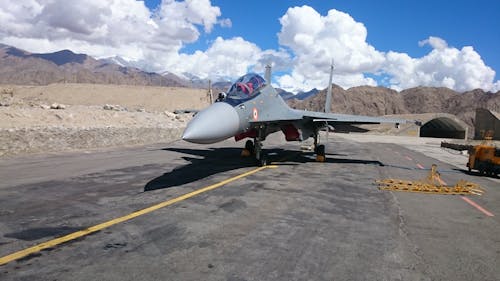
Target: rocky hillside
[23, 68]
[375, 101]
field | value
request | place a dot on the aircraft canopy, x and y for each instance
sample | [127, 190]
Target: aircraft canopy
[246, 87]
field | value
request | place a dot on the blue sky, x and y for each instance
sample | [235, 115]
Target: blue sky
[398, 44]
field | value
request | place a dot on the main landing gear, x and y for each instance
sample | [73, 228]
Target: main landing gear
[255, 148]
[319, 150]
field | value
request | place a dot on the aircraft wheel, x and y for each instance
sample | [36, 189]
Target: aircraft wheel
[249, 146]
[320, 153]
[321, 150]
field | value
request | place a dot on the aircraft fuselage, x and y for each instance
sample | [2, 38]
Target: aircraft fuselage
[258, 116]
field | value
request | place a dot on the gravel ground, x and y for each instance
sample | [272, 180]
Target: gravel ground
[33, 122]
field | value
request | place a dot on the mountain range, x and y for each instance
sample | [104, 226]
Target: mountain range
[21, 67]
[376, 101]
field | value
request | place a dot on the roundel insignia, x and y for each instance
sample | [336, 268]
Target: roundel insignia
[255, 114]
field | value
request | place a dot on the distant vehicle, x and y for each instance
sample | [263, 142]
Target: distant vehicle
[253, 109]
[485, 159]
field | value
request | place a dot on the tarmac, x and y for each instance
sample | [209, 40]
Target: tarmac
[180, 211]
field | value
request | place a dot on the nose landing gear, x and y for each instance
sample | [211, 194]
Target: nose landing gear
[249, 149]
[255, 148]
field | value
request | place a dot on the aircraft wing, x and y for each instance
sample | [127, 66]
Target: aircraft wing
[335, 118]
[331, 118]
[343, 123]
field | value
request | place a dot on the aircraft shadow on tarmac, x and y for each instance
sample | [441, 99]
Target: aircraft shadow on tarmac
[208, 162]
[305, 157]
[217, 160]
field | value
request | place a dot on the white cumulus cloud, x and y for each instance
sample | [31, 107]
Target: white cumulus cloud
[105, 28]
[223, 58]
[316, 40]
[228, 58]
[434, 42]
[226, 22]
[458, 69]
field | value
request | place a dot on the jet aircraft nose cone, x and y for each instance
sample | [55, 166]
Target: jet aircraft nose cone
[215, 123]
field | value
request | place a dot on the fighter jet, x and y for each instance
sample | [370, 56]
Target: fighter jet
[253, 109]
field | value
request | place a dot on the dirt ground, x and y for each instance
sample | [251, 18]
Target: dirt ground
[131, 97]
[61, 117]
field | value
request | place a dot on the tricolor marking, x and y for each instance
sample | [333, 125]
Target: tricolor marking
[255, 114]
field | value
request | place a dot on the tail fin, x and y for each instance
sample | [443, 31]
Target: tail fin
[328, 102]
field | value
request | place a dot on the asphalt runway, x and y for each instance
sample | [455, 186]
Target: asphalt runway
[215, 216]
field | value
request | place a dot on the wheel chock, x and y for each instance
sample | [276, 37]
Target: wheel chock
[245, 153]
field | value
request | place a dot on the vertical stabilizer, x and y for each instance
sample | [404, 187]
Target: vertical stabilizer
[328, 100]
[268, 74]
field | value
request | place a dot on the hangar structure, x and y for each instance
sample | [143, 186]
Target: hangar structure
[486, 120]
[444, 126]
[434, 125]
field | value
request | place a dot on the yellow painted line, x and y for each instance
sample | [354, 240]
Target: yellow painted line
[95, 228]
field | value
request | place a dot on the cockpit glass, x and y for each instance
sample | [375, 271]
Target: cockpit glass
[246, 87]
